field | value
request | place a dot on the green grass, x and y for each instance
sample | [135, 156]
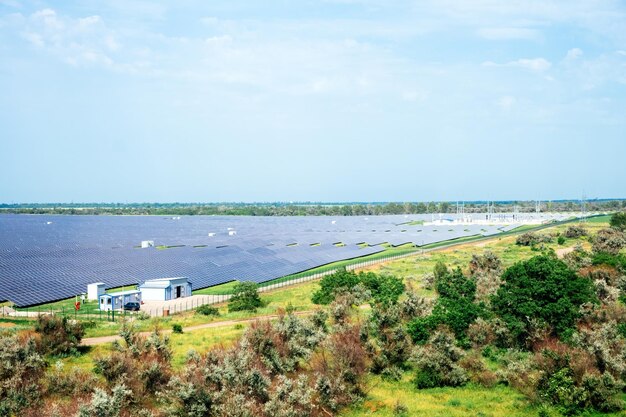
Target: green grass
[470, 400]
[202, 340]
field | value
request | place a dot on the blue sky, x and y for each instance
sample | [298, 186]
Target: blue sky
[335, 100]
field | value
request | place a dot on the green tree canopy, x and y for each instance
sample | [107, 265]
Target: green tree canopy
[541, 288]
[618, 221]
[245, 297]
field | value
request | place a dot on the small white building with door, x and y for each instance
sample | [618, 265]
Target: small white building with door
[164, 289]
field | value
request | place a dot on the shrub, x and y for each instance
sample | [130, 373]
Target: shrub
[618, 221]
[560, 240]
[486, 263]
[21, 370]
[339, 369]
[532, 239]
[400, 410]
[455, 306]
[390, 345]
[428, 281]
[104, 405]
[207, 310]
[245, 297]
[486, 270]
[610, 241]
[477, 370]
[142, 364]
[177, 328]
[577, 258]
[572, 384]
[59, 336]
[142, 315]
[437, 362]
[542, 288]
[575, 231]
[72, 383]
[415, 306]
[384, 289]
[440, 271]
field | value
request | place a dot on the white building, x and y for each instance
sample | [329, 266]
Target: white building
[117, 300]
[95, 290]
[164, 289]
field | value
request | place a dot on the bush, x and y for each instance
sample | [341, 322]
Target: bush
[532, 239]
[104, 405]
[389, 342]
[207, 310]
[542, 288]
[142, 364]
[59, 336]
[560, 240]
[570, 383]
[486, 270]
[454, 308]
[575, 231]
[177, 328]
[245, 297]
[487, 263]
[72, 383]
[21, 370]
[618, 221]
[610, 241]
[437, 362]
[384, 289]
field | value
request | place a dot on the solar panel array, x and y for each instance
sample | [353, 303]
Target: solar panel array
[48, 258]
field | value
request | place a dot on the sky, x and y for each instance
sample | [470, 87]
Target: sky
[331, 100]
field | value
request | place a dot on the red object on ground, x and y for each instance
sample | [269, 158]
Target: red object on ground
[77, 305]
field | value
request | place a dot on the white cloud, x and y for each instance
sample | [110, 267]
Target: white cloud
[532, 64]
[508, 33]
[506, 102]
[574, 53]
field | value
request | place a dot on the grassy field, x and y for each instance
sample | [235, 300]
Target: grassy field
[181, 344]
[468, 401]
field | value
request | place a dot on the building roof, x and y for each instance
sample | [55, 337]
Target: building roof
[166, 279]
[117, 294]
[161, 282]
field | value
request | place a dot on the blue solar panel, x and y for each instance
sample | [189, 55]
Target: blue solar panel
[46, 258]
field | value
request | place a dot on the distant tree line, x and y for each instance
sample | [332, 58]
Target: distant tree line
[301, 209]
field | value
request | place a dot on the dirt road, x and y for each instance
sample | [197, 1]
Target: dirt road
[92, 341]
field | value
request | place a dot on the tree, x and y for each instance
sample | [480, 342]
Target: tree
[618, 221]
[454, 308]
[245, 297]
[542, 288]
[331, 283]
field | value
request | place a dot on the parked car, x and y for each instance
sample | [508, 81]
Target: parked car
[132, 306]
